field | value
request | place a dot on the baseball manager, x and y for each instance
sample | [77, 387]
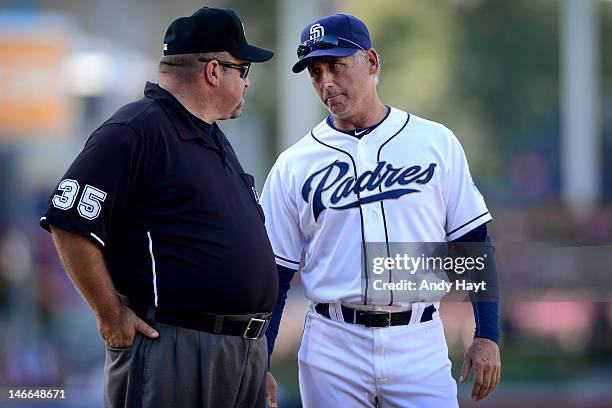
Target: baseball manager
[370, 173]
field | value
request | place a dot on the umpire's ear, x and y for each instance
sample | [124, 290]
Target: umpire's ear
[212, 72]
[373, 61]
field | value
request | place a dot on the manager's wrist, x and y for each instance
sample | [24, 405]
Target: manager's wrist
[489, 336]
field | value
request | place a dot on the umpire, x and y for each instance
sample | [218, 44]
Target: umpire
[161, 230]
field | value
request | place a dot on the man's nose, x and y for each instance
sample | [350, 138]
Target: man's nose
[327, 79]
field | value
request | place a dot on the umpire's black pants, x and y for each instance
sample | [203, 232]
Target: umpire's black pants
[186, 368]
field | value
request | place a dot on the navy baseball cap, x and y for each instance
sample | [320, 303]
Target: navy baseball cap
[339, 35]
[212, 30]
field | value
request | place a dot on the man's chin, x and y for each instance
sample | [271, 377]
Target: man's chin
[337, 110]
[235, 113]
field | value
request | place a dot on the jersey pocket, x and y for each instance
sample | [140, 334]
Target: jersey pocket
[249, 182]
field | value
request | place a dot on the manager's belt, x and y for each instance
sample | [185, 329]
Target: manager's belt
[250, 327]
[380, 318]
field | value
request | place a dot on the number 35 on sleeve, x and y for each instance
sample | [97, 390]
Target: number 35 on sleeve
[89, 206]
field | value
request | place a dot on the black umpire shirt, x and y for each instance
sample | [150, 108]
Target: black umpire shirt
[163, 195]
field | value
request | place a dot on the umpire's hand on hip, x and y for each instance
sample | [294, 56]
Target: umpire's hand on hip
[118, 329]
[483, 357]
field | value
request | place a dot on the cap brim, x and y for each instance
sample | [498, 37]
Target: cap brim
[252, 53]
[330, 52]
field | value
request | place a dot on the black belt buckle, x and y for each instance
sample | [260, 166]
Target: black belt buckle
[254, 328]
[379, 318]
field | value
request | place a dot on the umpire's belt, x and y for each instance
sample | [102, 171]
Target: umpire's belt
[369, 318]
[250, 327]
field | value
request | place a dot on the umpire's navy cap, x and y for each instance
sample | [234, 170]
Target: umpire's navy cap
[212, 30]
[339, 35]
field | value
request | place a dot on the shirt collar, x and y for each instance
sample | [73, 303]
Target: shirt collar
[189, 126]
[357, 133]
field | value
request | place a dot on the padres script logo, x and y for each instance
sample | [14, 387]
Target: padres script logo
[332, 177]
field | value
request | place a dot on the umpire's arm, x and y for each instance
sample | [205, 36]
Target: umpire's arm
[86, 268]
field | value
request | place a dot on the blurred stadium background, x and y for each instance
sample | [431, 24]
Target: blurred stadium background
[525, 84]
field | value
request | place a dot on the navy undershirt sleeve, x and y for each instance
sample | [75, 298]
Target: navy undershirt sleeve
[486, 313]
[284, 280]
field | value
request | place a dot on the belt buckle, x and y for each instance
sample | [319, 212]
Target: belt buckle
[259, 329]
[387, 323]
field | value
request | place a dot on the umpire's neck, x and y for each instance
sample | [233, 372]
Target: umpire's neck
[205, 94]
[193, 99]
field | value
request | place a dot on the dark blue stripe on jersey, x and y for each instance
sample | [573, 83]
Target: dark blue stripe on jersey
[382, 205]
[389, 139]
[382, 208]
[378, 197]
[287, 260]
[284, 282]
[467, 223]
[486, 314]
[363, 246]
[478, 234]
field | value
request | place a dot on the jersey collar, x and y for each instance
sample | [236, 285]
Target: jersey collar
[189, 126]
[357, 133]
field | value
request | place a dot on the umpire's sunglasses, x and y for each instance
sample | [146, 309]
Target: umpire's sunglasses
[323, 43]
[244, 68]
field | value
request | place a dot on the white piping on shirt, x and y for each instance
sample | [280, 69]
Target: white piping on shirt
[97, 238]
[153, 266]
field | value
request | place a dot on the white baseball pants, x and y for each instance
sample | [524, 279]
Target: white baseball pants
[349, 365]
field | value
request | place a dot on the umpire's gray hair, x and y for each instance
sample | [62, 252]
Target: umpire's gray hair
[186, 67]
[360, 57]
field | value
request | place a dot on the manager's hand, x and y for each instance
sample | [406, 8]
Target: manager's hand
[271, 390]
[118, 329]
[483, 357]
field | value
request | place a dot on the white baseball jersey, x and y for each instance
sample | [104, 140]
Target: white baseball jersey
[406, 181]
